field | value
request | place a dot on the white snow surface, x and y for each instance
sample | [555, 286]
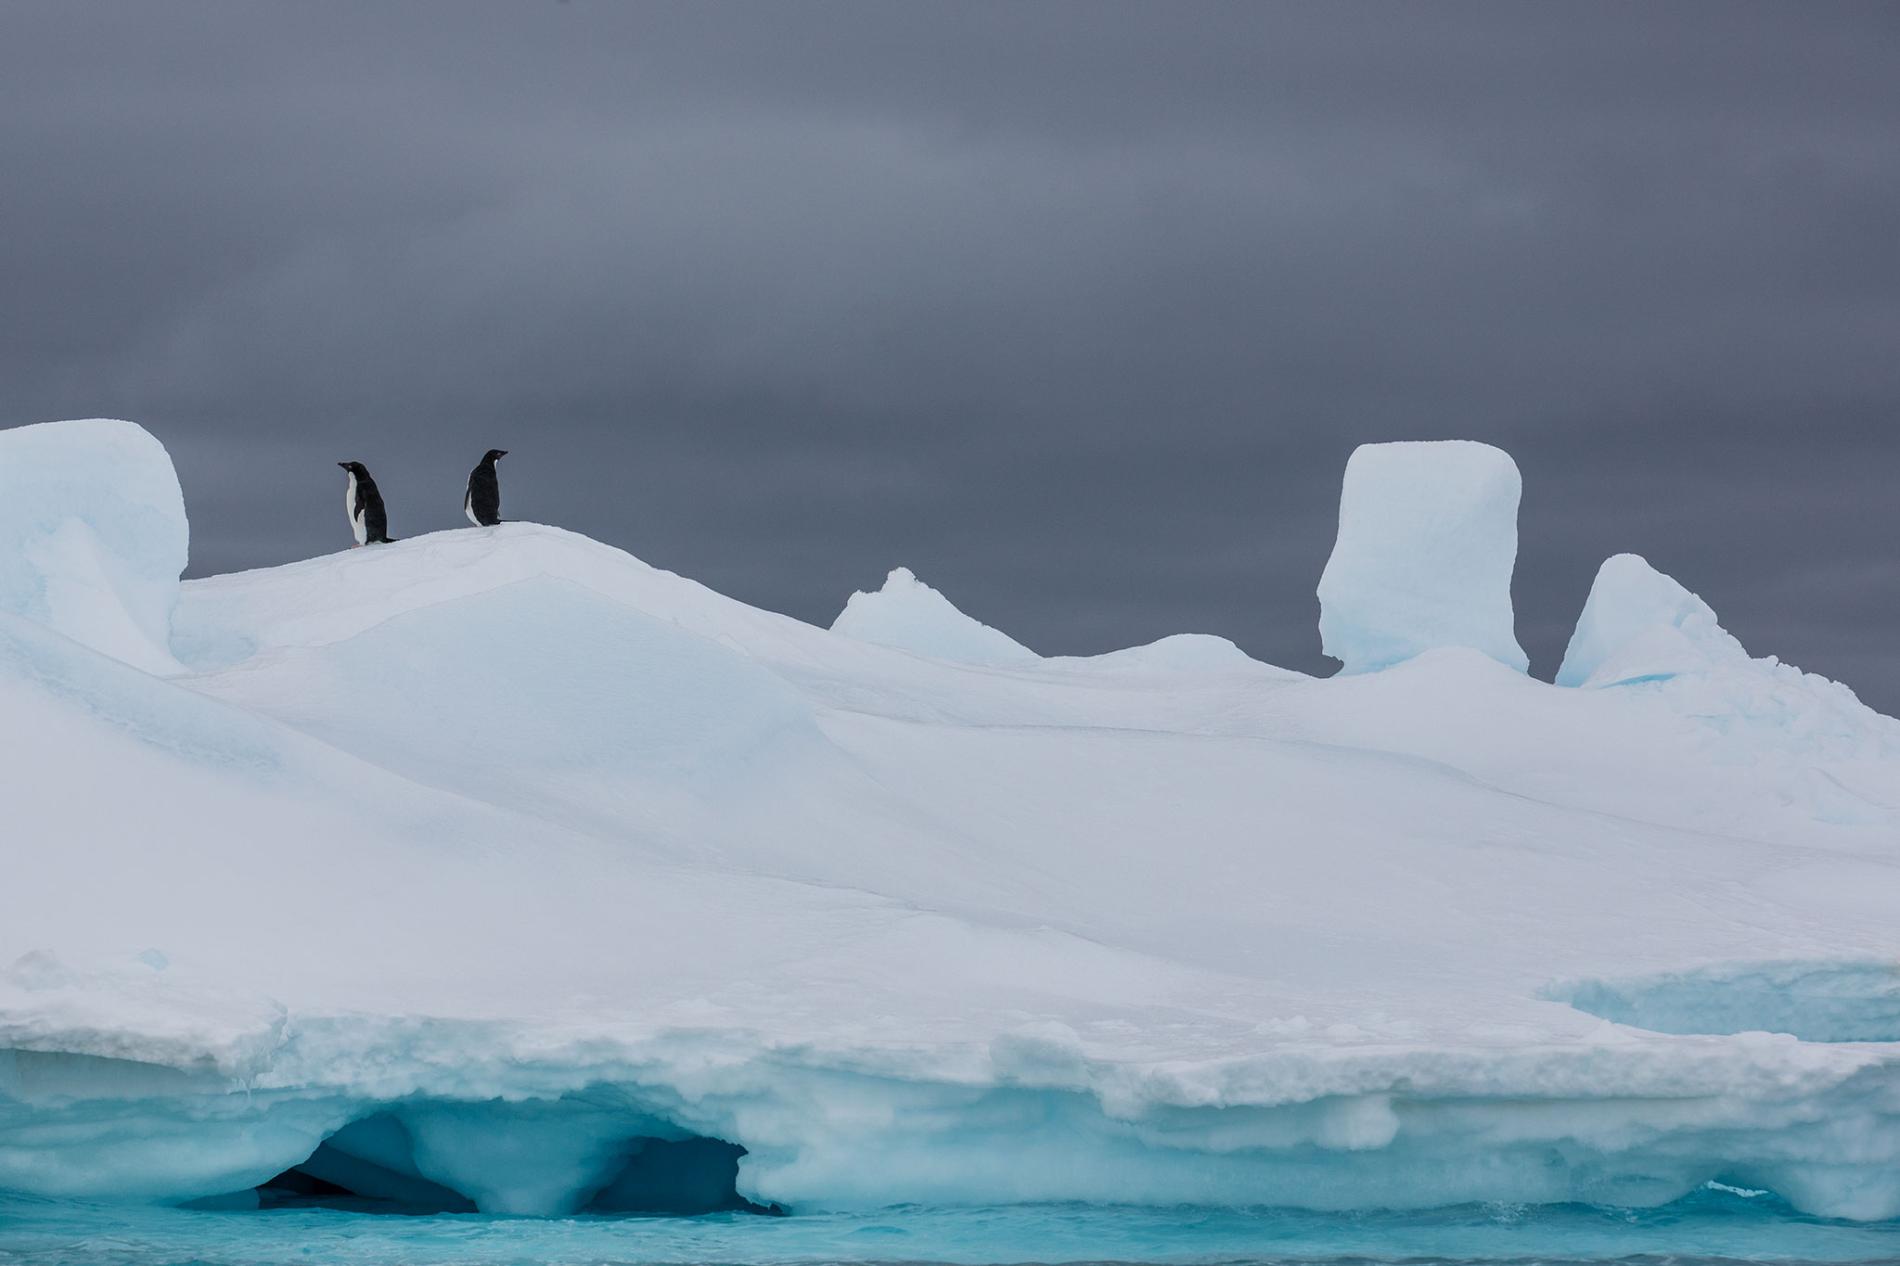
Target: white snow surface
[911, 616]
[1427, 543]
[496, 848]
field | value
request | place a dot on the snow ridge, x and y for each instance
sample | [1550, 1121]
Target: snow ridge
[909, 615]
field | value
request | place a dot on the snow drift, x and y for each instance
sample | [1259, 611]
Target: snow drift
[497, 869]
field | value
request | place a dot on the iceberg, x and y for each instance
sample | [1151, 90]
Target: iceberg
[498, 869]
[1427, 543]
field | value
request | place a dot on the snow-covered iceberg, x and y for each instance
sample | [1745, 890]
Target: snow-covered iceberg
[500, 869]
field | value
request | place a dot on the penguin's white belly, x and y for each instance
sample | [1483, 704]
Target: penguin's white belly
[468, 507]
[357, 526]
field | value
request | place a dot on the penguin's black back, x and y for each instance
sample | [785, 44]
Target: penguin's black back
[369, 503]
[484, 493]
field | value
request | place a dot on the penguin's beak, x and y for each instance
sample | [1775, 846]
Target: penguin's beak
[503, 453]
[344, 465]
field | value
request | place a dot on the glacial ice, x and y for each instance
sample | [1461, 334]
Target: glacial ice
[1427, 543]
[1640, 625]
[92, 536]
[1816, 1002]
[485, 868]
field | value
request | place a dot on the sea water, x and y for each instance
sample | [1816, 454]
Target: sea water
[1712, 1226]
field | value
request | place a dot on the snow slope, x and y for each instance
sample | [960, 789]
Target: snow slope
[492, 861]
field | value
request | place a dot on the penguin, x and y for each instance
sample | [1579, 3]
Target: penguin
[482, 502]
[364, 505]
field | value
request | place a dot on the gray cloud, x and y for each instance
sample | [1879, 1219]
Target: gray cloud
[1077, 309]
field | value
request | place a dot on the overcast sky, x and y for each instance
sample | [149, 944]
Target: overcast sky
[1075, 309]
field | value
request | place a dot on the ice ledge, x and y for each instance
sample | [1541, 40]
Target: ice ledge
[530, 1123]
[1815, 1002]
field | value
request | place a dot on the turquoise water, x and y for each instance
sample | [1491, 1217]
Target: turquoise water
[1711, 1226]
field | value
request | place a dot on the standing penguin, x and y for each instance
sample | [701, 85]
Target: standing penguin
[482, 502]
[364, 505]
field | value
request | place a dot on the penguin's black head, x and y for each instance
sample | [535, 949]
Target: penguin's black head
[494, 454]
[355, 468]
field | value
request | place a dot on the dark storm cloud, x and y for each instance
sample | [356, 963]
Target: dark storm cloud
[1075, 309]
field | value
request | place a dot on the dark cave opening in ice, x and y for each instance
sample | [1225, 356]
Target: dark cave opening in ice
[370, 1166]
